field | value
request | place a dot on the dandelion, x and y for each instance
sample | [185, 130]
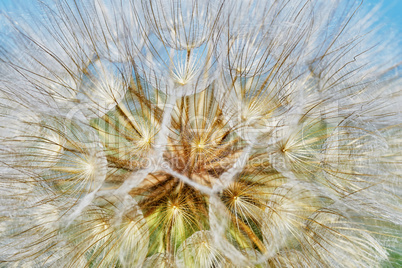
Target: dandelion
[198, 134]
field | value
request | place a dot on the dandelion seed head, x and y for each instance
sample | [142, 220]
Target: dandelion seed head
[182, 133]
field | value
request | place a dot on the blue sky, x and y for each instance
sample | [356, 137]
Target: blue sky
[390, 12]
